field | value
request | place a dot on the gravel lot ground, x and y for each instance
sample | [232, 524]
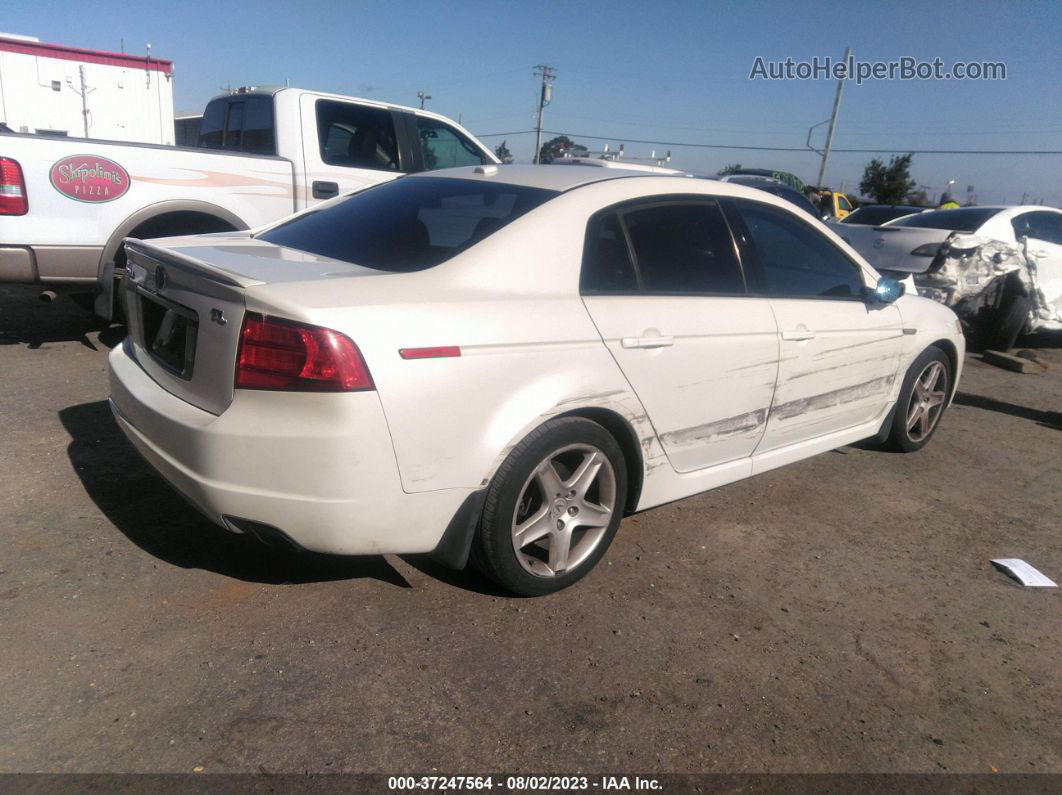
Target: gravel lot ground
[836, 615]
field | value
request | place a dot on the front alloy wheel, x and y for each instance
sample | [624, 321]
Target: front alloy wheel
[921, 401]
[927, 401]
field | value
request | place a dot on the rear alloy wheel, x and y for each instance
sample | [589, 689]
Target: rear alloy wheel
[922, 401]
[553, 508]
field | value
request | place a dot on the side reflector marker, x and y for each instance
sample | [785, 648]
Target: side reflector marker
[444, 352]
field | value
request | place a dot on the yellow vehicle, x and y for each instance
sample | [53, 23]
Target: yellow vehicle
[831, 203]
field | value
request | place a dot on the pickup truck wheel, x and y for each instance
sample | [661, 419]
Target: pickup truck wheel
[553, 508]
[922, 400]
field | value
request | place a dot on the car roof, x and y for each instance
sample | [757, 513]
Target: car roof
[557, 178]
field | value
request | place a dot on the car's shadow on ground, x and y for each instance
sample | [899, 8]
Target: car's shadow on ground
[155, 518]
[1047, 419]
[24, 320]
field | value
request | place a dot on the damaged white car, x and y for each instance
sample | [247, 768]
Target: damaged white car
[506, 360]
[999, 268]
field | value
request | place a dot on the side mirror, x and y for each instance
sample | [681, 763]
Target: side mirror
[886, 291]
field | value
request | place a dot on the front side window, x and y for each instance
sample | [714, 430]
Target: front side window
[684, 248]
[795, 260]
[444, 147]
[408, 224]
[357, 136]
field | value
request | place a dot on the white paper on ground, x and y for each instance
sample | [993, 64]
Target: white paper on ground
[1024, 573]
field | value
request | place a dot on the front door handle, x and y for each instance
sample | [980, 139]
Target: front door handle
[799, 333]
[325, 190]
[656, 341]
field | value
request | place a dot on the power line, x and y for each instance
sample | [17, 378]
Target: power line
[784, 148]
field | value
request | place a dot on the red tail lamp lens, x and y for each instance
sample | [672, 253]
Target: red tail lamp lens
[285, 355]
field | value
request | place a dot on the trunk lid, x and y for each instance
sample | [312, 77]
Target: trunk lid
[888, 248]
[185, 302]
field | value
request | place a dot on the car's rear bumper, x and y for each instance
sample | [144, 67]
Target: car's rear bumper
[320, 468]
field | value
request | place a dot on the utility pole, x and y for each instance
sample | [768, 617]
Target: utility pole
[422, 96]
[84, 92]
[548, 76]
[833, 121]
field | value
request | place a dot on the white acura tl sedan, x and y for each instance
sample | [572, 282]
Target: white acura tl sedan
[502, 362]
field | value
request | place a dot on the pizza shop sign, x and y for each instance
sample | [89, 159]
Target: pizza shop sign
[89, 178]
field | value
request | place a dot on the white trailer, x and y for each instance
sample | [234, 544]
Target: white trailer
[64, 91]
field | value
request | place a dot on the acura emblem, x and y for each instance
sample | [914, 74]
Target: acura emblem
[879, 242]
[160, 277]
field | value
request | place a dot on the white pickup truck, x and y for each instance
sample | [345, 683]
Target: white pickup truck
[66, 204]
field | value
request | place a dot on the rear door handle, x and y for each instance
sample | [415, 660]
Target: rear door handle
[325, 190]
[798, 334]
[647, 342]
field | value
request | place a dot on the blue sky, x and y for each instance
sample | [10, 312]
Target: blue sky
[666, 71]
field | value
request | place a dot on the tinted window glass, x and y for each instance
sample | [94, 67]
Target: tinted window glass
[796, 260]
[213, 124]
[965, 219]
[357, 136]
[410, 223]
[234, 126]
[444, 147]
[1039, 225]
[875, 215]
[258, 137]
[606, 261]
[684, 248]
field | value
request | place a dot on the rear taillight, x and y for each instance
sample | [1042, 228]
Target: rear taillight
[285, 355]
[12, 188]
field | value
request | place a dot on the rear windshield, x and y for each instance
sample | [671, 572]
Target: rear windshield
[410, 223]
[965, 219]
[873, 216]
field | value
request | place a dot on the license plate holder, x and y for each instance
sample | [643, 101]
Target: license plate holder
[168, 333]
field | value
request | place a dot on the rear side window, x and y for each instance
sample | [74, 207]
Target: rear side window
[684, 248]
[607, 265]
[357, 136]
[445, 147]
[410, 223]
[797, 261]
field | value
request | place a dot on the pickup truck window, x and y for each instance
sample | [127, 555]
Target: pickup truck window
[445, 147]
[357, 136]
[239, 124]
[408, 224]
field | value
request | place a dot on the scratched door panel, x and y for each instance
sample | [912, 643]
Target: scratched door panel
[840, 376]
[706, 393]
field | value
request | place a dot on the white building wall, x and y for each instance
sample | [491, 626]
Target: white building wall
[128, 98]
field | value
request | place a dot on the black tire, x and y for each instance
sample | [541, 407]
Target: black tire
[902, 438]
[493, 549]
[1008, 323]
